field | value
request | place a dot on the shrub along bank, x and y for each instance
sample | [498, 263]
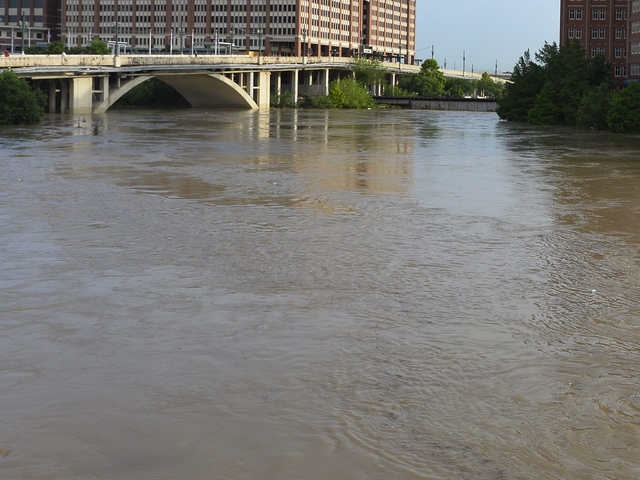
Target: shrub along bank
[19, 105]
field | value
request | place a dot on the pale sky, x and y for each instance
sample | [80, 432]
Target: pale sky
[488, 30]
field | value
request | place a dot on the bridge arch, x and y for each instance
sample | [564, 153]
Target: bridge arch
[200, 90]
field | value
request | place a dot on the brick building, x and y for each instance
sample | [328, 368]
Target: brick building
[385, 28]
[608, 27]
[33, 20]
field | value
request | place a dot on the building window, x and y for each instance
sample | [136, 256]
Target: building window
[578, 33]
[603, 32]
[619, 14]
[578, 14]
[618, 71]
[594, 14]
[603, 14]
[618, 52]
[618, 33]
[594, 33]
[572, 32]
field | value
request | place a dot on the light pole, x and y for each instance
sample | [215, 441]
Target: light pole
[233, 44]
[22, 24]
[117, 45]
[464, 62]
[12, 35]
[259, 43]
[304, 42]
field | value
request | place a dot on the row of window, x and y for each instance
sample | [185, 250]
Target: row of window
[597, 33]
[596, 14]
[24, 3]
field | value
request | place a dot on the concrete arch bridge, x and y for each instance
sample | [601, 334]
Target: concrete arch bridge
[84, 84]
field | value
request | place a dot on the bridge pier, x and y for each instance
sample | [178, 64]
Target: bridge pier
[81, 96]
[53, 86]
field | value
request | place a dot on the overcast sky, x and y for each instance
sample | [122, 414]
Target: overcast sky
[487, 30]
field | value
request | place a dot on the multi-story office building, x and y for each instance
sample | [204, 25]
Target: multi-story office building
[385, 28]
[35, 21]
[634, 41]
[603, 27]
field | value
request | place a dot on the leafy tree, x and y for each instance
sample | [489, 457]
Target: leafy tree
[430, 82]
[520, 93]
[369, 71]
[284, 100]
[594, 107]
[97, 47]
[54, 48]
[348, 93]
[19, 105]
[487, 87]
[551, 89]
[395, 91]
[624, 114]
[458, 87]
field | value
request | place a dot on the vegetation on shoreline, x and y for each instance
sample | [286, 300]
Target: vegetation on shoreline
[19, 104]
[431, 82]
[561, 86]
[96, 47]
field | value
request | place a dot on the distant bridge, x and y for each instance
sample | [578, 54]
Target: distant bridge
[83, 84]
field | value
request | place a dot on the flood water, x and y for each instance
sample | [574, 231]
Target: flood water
[318, 295]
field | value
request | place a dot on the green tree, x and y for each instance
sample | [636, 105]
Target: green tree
[395, 91]
[97, 47]
[458, 87]
[551, 89]
[594, 107]
[19, 105]
[624, 114]
[348, 93]
[487, 87]
[520, 93]
[369, 71]
[430, 82]
[54, 48]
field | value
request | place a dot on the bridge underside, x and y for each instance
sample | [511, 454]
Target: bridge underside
[209, 91]
[85, 95]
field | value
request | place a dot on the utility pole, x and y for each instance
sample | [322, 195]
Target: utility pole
[464, 62]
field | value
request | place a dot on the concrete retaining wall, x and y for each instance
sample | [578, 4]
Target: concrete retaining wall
[457, 105]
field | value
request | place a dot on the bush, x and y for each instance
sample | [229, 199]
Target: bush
[594, 108]
[19, 105]
[395, 91]
[284, 100]
[348, 93]
[624, 114]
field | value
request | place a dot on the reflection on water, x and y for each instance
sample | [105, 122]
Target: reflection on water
[295, 294]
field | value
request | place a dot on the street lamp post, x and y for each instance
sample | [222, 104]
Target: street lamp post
[464, 62]
[117, 45]
[233, 44]
[304, 42]
[259, 43]
[22, 24]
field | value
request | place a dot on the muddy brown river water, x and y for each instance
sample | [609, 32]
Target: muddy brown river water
[318, 295]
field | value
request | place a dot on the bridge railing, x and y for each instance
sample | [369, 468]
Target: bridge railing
[26, 61]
